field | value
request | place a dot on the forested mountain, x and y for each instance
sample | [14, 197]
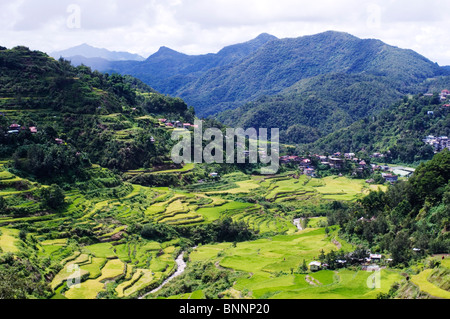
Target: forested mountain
[107, 119]
[281, 64]
[317, 106]
[243, 73]
[398, 131]
[169, 71]
[87, 51]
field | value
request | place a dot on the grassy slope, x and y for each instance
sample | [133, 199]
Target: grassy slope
[262, 259]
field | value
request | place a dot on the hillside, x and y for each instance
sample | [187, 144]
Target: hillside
[398, 131]
[108, 118]
[266, 66]
[86, 183]
[317, 106]
[169, 71]
[280, 64]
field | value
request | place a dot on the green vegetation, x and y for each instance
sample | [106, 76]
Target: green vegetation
[92, 207]
[409, 220]
[397, 132]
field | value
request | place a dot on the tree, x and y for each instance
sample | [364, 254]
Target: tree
[2, 203]
[400, 248]
[53, 197]
[303, 267]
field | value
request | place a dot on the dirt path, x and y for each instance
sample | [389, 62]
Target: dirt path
[312, 281]
[338, 244]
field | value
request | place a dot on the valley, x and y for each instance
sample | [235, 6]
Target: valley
[92, 206]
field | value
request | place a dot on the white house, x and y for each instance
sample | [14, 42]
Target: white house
[315, 266]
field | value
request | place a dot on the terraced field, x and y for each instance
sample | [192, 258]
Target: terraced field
[271, 266]
[435, 282]
[131, 266]
[9, 240]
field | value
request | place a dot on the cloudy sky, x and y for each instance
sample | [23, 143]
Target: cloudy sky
[205, 26]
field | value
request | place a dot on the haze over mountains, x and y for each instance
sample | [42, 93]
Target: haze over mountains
[308, 86]
[96, 58]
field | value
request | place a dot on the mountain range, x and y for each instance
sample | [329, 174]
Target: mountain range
[308, 86]
[94, 57]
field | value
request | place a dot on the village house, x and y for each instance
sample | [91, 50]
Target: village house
[336, 163]
[377, 155]
[305, 163]
[390, 178]
[33, 130]
[178, 124]
[438, 143]
[444, 95]
[315, 266]
[309, 172]
[349, 156]
[14, 126]
[288, 159]
[375, 258]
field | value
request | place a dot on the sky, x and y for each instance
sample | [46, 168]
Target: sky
[206, 26]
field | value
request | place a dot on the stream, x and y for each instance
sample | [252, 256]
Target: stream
[297, 222]
[180, 269]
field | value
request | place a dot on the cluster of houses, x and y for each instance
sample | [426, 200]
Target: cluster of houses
[372, 259]
[175, 124]
[367, 263]
[438, 143]
[338, 160]
[444, 95]
[16, 129]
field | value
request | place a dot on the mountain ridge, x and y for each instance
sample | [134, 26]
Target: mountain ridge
[87, 51]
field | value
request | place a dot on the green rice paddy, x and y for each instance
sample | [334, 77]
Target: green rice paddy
[271, 269]
[134, 265]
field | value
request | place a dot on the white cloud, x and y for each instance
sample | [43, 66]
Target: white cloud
[203, 26]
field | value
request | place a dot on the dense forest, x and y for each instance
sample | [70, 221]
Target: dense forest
[266, 66]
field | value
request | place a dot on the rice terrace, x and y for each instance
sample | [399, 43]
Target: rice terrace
[95, 204]
[126, 265]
